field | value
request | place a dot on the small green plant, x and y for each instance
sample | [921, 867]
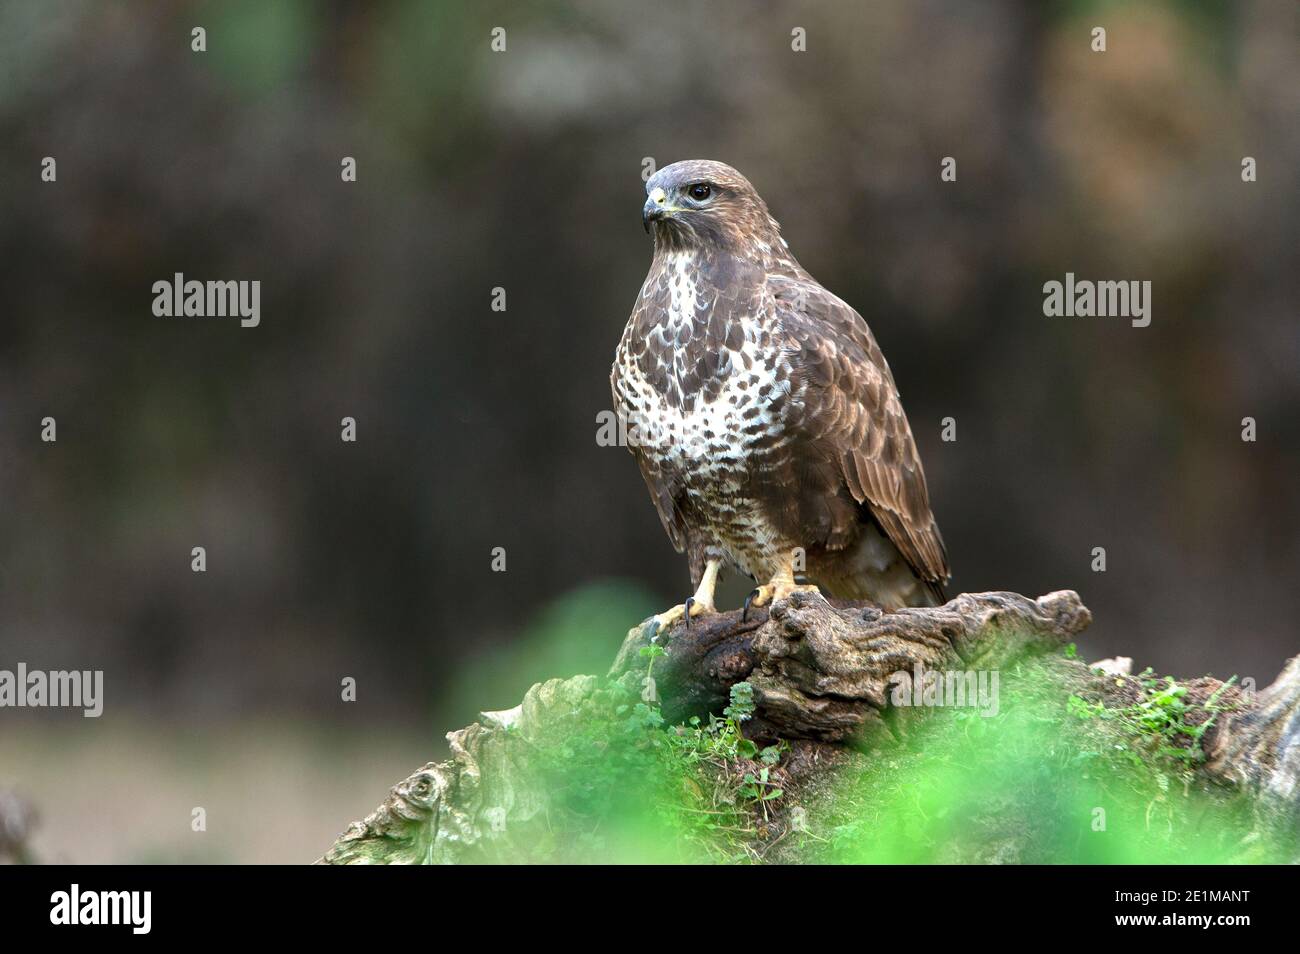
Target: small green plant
[1159, 720]
[721, 742]
[758, 787]
[741, 707]
[1081, 708]
[735, 776]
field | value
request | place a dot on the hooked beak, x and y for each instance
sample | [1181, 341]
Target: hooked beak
[655, 208]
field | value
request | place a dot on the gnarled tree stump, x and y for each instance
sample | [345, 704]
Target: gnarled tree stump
[823, 674]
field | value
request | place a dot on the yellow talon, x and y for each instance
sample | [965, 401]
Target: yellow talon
[672, 617]
[771, 592]
[781, 587]
[700, 603]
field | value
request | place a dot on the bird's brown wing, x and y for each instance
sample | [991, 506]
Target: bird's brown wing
[664, 495]
[851, 416]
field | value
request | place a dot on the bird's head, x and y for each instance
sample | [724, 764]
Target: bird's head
[699, 203]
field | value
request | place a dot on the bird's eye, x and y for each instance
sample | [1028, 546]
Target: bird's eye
[700, 191]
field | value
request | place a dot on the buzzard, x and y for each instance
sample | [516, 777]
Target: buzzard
[762, 413]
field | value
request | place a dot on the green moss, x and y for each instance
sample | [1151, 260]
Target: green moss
[1057, 776]
[1054, 778]
[623, 787]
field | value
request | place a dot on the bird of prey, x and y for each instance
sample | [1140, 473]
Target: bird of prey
[762, 413]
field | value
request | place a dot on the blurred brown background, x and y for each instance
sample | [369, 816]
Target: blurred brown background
[477, 429]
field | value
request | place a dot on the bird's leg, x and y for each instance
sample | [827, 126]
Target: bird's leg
[698, 604]
[779, 587]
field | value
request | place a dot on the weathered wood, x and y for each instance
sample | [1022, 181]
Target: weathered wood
[821, 673]
[478, 805]
[1259, 747]
[822, 670]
